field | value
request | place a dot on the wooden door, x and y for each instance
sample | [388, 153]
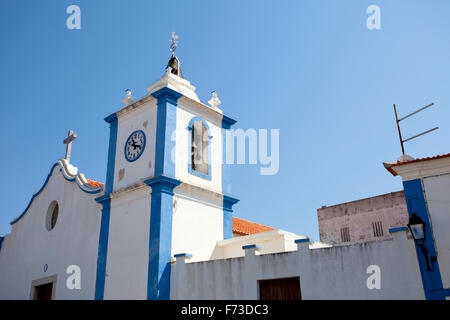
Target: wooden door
[44, 292]
[280, 289]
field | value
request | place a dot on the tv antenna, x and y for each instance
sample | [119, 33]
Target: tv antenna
[405, 117]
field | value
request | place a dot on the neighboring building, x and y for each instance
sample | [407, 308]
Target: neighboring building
[362, 220]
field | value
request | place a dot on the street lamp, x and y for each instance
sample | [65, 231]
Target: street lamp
[417, 228]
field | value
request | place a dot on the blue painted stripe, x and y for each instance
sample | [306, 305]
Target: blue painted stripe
[179, 255]
[251, 246]
[105, 201]
[226, 168]
[161, 205]
[160, 242]
[302, 240]
[165, 126]
[1, 241]
[43, 187]
[431, 279]
[35, 195]
[85, 191]
[228, 203]
[391, 230]
[113, 124]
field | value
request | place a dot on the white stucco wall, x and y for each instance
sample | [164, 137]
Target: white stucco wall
[270, 242]
[142, 118]
[437, 193]
[328, 273]
[73, 241]
[197, 225]
[128, 245]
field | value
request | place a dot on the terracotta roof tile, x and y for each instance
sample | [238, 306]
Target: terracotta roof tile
[94, 183]
[244, 227]
[389, 165]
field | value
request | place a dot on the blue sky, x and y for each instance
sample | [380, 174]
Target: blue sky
[311, 69]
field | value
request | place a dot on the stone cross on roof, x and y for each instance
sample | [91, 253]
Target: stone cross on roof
[68, 142]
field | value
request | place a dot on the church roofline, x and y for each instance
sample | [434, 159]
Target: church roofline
[70, 174]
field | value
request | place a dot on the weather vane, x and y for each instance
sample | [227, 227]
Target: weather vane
[173, 43]
[173, 66]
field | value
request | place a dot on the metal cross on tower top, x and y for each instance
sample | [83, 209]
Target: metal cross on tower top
[68, 142]
[173, 43]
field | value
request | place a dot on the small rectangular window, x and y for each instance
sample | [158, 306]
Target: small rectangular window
[345, 234]
[377, 228]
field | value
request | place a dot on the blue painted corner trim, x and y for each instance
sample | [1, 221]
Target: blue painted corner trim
[226, 167]
[160, 242]
[302, 240]
[167, 95]
[105, 201]
[431, 279]
[191, 132]
[251, 246]
[1, 241]
[227, 122]
[228, 203]
[398, 229]
[165, 126]
[162, 184]
[180, 255]
[113, 124]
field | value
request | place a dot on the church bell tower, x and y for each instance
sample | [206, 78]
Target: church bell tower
[167, 187]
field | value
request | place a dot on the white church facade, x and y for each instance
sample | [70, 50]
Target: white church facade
[161, 225]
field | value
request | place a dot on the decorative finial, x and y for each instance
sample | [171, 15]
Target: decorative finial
[173, 43]
[214, 102]
[173, 66]
[68, 142]
[128, 98]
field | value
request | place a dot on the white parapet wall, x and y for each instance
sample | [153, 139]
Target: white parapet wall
[339, 272]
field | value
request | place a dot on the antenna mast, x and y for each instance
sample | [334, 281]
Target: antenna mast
[397, 120]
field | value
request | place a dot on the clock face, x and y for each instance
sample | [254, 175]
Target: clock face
[135, 145]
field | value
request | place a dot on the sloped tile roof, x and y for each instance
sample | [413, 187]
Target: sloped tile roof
[244, 227]
[94, 183]
[389, 165]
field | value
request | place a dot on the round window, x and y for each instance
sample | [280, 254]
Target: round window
[52, 215]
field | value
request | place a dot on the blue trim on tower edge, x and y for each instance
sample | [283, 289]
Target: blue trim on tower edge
[161, 203]
[105, 201]
[165, 126]
[228, 201]
[160, 242]
[431, 279]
